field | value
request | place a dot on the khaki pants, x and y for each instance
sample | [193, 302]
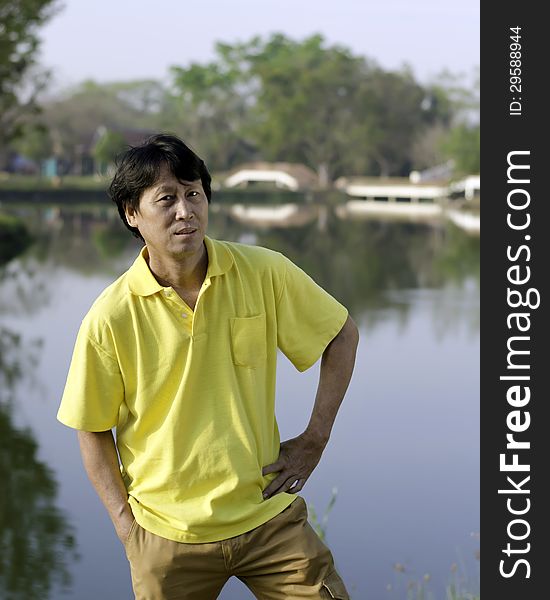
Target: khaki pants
[282, 559]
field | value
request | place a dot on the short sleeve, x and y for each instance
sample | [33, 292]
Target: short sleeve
[94, 390]
[308, 318]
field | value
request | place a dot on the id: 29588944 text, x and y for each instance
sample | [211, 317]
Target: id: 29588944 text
[515, 59]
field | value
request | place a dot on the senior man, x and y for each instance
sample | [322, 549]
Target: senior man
[178, 355]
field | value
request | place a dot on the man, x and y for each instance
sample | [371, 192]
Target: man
[179, 355]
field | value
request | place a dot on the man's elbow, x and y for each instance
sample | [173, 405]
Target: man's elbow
[350, 332]
[348, 336]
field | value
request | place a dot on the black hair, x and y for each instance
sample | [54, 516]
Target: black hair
[139, 168]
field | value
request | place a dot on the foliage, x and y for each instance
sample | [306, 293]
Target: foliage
[19, 22]
[107, 147]
[68, 123]
[457, 96]
[275, 99]
[420, 589]
[457, 103]
[320, 527]
[35, 141]
[305, 101]
[462, 143]
[458, 588]
[212, 106]
[427, 150]
[305, 108]
[460, 585]
[40, 183]
[393, 114]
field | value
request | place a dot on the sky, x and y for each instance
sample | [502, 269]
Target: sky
[121, 40]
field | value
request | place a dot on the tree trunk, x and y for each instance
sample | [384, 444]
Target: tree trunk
[323, 175]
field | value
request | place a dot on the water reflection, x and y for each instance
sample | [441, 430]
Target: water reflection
[14, 238]
[366, 264]
[36, 541]
[17, 361]
[85, 240]
[407, 285]
[25, 285]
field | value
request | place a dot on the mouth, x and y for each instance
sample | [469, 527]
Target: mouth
[186, 231]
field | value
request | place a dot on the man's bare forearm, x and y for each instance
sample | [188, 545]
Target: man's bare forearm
[100, 460]
[336, 370]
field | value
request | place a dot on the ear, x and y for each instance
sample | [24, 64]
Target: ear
[131, 215]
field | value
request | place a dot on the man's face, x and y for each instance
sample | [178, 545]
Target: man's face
[172, 217]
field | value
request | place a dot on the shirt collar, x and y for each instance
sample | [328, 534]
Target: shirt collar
[220, 259]
[143, 283]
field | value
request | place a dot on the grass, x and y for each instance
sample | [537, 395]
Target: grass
[459, 586]
[38, 182]
[406, 588]
[419, 589]
[320, 526]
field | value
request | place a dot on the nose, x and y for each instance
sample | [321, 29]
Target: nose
[183, 210]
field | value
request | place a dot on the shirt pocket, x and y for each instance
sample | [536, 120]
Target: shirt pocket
[248, 340]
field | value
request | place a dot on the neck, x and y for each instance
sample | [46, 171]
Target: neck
[186, 272]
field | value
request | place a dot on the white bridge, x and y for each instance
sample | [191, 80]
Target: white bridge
[279, 178]
[288, 176]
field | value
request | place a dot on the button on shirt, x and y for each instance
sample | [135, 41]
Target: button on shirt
[191, 393]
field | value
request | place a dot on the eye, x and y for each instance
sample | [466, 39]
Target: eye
[167, 198]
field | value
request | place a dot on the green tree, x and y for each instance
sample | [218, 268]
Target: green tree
[305, 105]
[305, 101]
[211, 106]
[462, 144]
[456, 135]
[107, 147]
[35, 141]
[69, 122]
[19, 42]
[459, 93]
[391, 112]
[427, 148]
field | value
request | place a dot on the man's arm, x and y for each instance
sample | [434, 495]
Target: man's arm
[300, 455]
[100, 460]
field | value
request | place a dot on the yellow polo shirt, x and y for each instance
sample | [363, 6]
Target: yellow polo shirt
[191, 393]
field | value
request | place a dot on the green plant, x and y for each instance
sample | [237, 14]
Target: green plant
[320, 527]
[411, 587]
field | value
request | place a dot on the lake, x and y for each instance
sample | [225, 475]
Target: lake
[403, 458]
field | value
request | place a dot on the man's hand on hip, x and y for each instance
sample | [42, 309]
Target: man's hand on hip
[300, 455]
[297, 459]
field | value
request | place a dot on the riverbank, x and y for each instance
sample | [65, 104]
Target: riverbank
[9, 182]
[67, 194]
[19, 189]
